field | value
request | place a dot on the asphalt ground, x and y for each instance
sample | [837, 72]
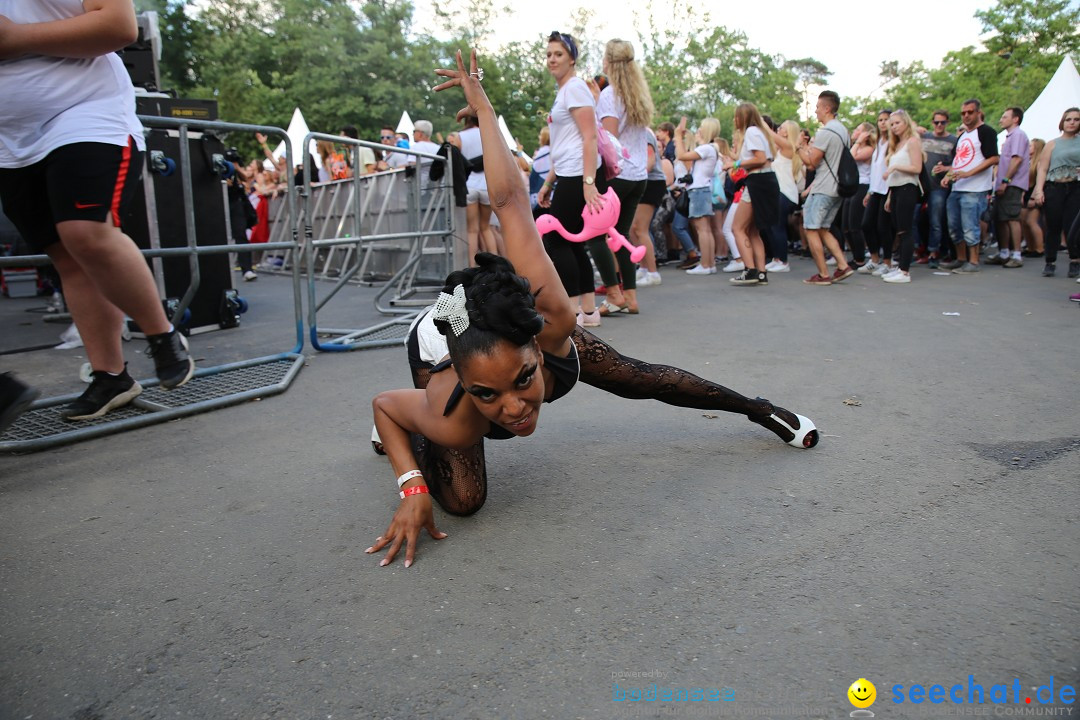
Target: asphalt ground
[214, 566]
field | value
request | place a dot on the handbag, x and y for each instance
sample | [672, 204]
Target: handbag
[682, 201]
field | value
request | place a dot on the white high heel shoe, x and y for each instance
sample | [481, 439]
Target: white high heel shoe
[805, 437]
[376, 442]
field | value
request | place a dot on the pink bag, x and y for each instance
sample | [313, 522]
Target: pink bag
[611, 150]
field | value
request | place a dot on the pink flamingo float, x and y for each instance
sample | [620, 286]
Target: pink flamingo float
[596, 223]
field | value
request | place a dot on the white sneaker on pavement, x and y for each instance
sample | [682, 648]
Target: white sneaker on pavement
[734, 266]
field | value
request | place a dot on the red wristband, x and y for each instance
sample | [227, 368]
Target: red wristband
[415, 490]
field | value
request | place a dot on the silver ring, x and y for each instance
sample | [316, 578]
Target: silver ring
[479, 74]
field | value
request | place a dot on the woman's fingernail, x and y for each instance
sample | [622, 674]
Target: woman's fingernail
[369, 549]
[408, 563]
[384, 563]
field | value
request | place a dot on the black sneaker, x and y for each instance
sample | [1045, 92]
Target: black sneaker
[15, 397]
[749, 276]
[106, 392]
[1049, 270]
[1074, 269]
[172, 362]
[763, 277]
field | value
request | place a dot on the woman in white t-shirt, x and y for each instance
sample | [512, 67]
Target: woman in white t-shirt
[759, 207]
[625, 108]
[477, 209]
[704, 158]
[876, 226]
[789, 173]
[573, 177]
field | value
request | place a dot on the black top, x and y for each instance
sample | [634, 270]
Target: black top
[564, 370]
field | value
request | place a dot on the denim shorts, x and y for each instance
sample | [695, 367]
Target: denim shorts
[701, 202]
[820, 211]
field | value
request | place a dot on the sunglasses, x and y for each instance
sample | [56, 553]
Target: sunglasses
[387, 137]
[968, 112]
[941, 122]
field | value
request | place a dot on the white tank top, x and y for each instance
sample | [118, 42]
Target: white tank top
[48, 102]
[898, 178]
[782, 167]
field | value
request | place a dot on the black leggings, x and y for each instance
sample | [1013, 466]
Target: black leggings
[902, 210]
[877, 227]
[1061, 210]
[852, 212]
[629, 193]
[457, 479]
[570, 259]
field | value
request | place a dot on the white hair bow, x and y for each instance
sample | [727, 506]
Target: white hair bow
[451, 309]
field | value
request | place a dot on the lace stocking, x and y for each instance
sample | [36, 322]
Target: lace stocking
[603, 367]
[456, 479]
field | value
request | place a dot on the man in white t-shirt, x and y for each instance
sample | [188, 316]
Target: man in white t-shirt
[422, 130]
[971, 177]
[68, 103]
[823, 203]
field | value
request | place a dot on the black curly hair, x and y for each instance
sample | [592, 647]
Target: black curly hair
[500, 306]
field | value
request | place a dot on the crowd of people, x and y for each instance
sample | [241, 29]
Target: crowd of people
[921, 197]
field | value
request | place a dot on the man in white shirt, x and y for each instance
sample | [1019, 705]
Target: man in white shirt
[971, 177]
[422, 130]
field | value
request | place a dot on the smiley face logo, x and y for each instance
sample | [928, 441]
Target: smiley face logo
[862, 693]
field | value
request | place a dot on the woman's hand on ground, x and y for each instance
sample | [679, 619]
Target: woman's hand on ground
[412, 514]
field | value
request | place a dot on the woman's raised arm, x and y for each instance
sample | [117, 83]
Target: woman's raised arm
[510, 201]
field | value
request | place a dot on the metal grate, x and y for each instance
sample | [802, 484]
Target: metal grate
[43, 427]
[392, 332]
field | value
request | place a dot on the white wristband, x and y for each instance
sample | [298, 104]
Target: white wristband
[406, 477]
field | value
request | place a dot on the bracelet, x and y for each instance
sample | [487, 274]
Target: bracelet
[736, 165]
[548, 184]
[406, 477]
[417, 490]
[1007, 181]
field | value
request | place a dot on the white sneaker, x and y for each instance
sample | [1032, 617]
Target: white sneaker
[868, 268]
[831, 262]
[250, 275]
[649, 279]
[734, 266]
[777, 266]
[701, 270]
[897, 277]
[889, 274]
[882, 270]
[641, 275]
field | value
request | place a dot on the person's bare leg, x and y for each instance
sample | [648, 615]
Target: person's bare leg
[1015, 235]
[744, 219]
[717, 225]
[113, 263]
[757, 246]
[472, 231]
[97, 319]
[817, 252]
[706, 242]
[834, 249]
[639, 235]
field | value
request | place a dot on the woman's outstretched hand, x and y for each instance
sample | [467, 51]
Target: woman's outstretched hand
[412, 514]
[469, 82]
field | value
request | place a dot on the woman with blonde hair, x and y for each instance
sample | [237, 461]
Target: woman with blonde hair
[788, 167]
[720, 210]
[1029, 215]
[905, 160]
[625, 109]
[759, 206]
[704, 158]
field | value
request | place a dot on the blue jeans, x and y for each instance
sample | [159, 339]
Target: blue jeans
[935, 216]
[680, 225]
[964, 210]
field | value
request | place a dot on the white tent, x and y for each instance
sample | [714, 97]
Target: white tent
[298, 130]
[1063, 91]
[506, 134]
[405, 125]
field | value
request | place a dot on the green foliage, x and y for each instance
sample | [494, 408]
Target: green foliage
[360, 62]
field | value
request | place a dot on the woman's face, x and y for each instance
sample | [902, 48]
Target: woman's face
[782, 132]
[507, 385]
[897, 125]
[559, 62]
[883, 123]
[1071, 123]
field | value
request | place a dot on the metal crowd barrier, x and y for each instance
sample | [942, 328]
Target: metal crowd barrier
[41, 427]
[347, 222]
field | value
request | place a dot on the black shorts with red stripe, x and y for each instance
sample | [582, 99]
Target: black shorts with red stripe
[83, 181]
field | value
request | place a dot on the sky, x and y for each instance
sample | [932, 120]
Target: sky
[861, 35]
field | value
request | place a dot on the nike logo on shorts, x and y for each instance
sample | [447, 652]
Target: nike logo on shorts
[84, 206]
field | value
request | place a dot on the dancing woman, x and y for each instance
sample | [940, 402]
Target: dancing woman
[496, 346]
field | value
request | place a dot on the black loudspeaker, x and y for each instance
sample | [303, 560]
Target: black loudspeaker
[211, 226]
